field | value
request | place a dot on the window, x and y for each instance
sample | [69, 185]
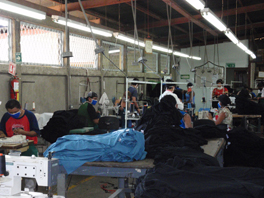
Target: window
[40, 45]
[152, 62]
[132, 58]
[82, 49]
[164, 64]
[115, 53]
[5, 40]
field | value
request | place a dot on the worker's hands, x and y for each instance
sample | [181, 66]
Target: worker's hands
[2, 135]
[18, 131]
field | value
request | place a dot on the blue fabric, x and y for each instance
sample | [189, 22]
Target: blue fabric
[182, 121]
[188, 98]
[253, 94]
[73, 151]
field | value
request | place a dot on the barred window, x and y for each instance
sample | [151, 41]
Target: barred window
[40, 45]
[164, 64]
[82, 49]
[132, 58]
[115, 53]
[152, 62]
[5, 40]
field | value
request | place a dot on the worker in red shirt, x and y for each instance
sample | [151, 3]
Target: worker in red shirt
[219, 90]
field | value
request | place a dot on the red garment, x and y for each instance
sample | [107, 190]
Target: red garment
[218, 92]
[22, 123]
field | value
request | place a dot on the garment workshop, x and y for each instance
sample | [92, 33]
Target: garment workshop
[131, 99]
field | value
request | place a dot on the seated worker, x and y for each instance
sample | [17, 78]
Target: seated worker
[18, 121]
[170, 91]
[122, 105]
[260, 90]
[134, 94]
[225, 115]
[87, 110]
[190, 95]
[219, 90]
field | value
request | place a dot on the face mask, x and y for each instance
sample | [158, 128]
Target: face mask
[218, 104]
[220, 87]
[124, 98]
[15, 115]
[94, 102]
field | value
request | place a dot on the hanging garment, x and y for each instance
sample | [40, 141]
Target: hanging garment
[73, 151]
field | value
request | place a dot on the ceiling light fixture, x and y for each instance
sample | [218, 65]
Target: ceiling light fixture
[81, 26]
[231, 36]
[113, 51]
[197, 4]
[161, 49]
[128, 39]
[213, 19]
[195, 57]
[22, 10]
[242, 46]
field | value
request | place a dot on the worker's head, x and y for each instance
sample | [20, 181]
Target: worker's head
[260, 86]
[135, 84]
[224, 100]
[250, 90]
[219, 83]
[189, 87]
[92, 98]
[170, 86]
[128, 95]
[244, 93]
[13, 108]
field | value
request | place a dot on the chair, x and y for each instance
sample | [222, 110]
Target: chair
[203, 122]
[108, 123]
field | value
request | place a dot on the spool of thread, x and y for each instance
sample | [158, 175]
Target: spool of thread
[2, 164]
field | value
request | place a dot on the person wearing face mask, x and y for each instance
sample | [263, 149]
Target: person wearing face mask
[133, 90]
[219, 90]
[225, 115]
[170, 91]
[88, 111]
[260, 90]
[17, 121]
[190, 95]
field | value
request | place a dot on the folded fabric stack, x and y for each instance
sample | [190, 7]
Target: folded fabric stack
[73, 151]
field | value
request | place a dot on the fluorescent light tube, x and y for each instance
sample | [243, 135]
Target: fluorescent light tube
[253, 56]
[195, 57]
[22, 10]
[3, 22]
[242, 46]
[181, 54]
[113, 51]
[197, 4]
[81, 26]
[161, 49]
[231, 36]
[128, 39]
[213, 19]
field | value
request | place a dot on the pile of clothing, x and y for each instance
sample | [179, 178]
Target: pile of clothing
[182, 169]
[124, 145]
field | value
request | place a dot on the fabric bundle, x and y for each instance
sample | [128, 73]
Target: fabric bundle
[73, 151]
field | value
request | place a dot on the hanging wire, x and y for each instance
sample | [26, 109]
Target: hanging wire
[170, 36]
[134, 12]
[148, 17]
[190, 23]
[222, 9]
[119, 16]
[236, 20]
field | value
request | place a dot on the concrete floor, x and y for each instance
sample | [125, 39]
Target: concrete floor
[87, 187]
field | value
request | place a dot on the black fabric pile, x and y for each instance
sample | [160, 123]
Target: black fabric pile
[209, 131]
[61, 123]
[244, 149]
[183, 178]
[161, 114]
[248, 107]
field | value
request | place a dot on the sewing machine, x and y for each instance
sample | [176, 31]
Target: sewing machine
[44, 170]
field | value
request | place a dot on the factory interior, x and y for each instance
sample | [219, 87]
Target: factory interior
[131, 98]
